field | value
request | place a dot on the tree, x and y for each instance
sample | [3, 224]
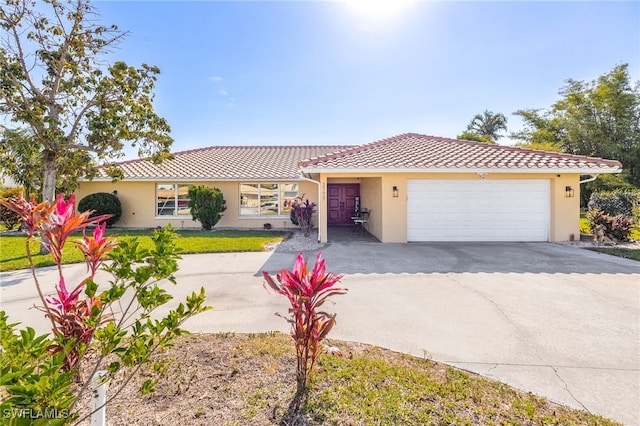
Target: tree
[17, 157]
[75, 110]
[470, 136]
[19, 154]
[488, 124]
[599, 118]
[540, 131]
[206, 204]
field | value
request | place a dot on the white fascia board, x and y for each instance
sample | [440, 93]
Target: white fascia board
[583, 171]
[189, 180]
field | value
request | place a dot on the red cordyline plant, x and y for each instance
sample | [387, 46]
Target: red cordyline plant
[115, 324]
[73, 319]
[306, 292]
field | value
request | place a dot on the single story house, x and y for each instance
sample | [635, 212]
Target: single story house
[417, 188]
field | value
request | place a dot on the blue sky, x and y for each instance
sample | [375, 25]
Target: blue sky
[310, 72]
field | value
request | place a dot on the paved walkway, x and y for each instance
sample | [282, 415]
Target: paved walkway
[558, 321]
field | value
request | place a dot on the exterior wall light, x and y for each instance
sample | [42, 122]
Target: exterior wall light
[568, 191]
[395, 191]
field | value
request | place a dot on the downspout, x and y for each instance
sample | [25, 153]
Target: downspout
[303, 177]
[591, 179]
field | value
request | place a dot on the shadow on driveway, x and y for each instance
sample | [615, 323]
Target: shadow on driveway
[413, 258]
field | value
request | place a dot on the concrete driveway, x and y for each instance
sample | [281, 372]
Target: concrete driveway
[558, 321]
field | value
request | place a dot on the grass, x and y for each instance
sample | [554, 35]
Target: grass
[13, 253]
[250, 380]
[627, 253]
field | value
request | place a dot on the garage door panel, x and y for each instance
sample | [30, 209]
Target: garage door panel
[478, 210]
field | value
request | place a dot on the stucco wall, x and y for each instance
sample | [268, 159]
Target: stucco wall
[388, 221]
[377, 190]
[371, 198]
[138, 201]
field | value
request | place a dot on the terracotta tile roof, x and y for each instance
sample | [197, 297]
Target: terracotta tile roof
[226, 163]
[414, 152]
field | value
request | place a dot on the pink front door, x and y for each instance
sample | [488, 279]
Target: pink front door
[341, 202]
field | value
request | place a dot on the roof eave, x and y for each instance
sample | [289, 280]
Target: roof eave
[576, 170]
[189, 180]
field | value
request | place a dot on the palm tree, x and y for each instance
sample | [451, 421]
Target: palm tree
[488, 124]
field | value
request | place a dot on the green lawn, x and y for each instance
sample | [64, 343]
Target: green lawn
[13, 251]
[619, 251]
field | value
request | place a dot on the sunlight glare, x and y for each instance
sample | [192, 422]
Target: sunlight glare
[377, 9]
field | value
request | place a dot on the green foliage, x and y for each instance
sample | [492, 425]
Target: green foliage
[470, 136]
[206, 204]
[102, 203]
[599, 118]
[627, 253]
[57, 91]
[614, 203]
[606, 182]
[32, 382]
[9, 218]
[114, 322]
[541, 131]
[617, 211]
[18, 155]
[488, 125]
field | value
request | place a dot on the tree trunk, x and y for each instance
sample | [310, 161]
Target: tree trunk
[49, 176]
[48, 182]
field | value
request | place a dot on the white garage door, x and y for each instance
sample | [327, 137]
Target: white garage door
[478, 210]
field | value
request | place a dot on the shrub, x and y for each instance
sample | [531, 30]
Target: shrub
[618, 211]
[306, 292]
[8, 217]
[50, 373]
[102, 203]
[615, 227]
[614, 203]
[206, 204]
[302, 215]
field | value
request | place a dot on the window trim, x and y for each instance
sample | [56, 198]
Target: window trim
[279, 192]
[175, 214]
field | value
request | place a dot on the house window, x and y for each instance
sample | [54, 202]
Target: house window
[267, 199]
[172, 199]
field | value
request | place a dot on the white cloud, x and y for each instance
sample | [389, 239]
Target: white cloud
[222, 92]
[215, 78]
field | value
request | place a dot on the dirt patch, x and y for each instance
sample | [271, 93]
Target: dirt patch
[249, 379]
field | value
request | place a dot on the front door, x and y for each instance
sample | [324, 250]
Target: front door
[341, 202]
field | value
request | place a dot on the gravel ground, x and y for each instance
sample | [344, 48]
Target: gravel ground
[297, 242]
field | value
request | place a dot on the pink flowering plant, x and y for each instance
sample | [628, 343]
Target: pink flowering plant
[306, 292]
[110, 329]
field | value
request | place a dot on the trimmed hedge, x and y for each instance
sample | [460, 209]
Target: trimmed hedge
[102, 203]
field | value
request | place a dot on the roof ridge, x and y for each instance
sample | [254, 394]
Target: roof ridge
[496, 148]
[214, 147]
[353, 149]
[538, 151]
[514, 148]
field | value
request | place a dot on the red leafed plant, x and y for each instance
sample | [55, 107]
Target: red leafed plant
[114, 323]
[306, 292]
[73, 319]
